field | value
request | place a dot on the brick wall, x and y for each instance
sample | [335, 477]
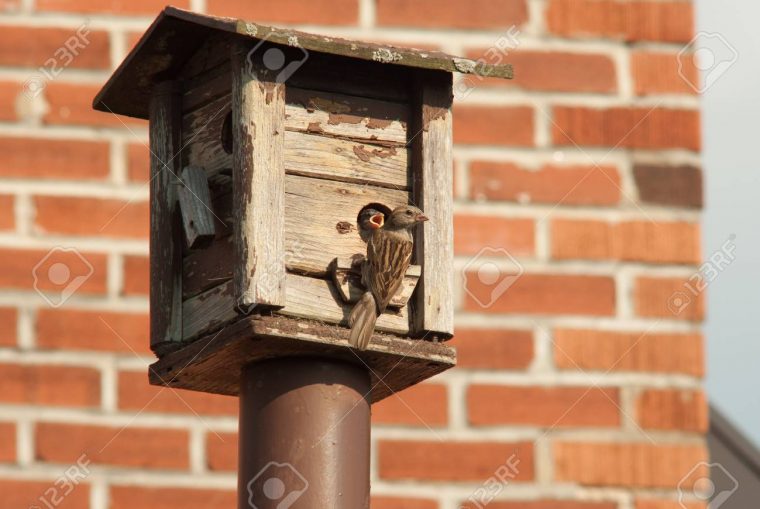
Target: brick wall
[583, 174]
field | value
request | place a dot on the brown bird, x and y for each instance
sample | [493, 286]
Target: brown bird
[389, 253]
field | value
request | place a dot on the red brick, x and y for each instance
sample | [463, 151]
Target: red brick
[641, 241]
[135, 393]
[127, 446]
[599, 350]
[493, 348]
[672, 186]
[133, 38]
[402, 503]
[49, 385]
[315, 12]
[452, 13]
[32, 494]
[568, 185]
[136, 275]
[138, 162]
[56, 159]
[640, 465]
[91, 330]
[71, 104]
[672, 409]
[669, 298]
[671, 21]
[21, 266]
[547, 504]
[646, 128]
[543, 294]
[668, 504]
[7, 213]
[473, 233]
[451, 461]
[131, 497]
[555, 407]
[664, 73]
[9, 92]
[550, 71]
[8, 317]
[7, 442]
[41, 44]
[494, 125]
[221, 451]
[424, 405]
[120, 7]
[92, 216]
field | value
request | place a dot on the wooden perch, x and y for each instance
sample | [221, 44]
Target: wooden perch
[195, 205]
[347, 276]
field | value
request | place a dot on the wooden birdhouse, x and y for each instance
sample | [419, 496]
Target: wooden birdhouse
[266, 144]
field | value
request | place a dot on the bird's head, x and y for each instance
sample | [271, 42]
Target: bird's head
[405, 216]
[371, 219]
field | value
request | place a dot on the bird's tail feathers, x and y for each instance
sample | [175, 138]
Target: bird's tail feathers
[362, 321]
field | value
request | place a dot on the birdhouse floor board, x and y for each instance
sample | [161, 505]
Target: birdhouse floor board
[305, 297]
[213, 363]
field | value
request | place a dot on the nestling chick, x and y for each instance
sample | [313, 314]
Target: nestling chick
[370, 219]
[389, 253]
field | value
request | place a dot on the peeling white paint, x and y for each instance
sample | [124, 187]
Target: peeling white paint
[293, 41]
[251, 29]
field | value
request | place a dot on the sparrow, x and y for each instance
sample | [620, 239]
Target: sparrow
[389, 253]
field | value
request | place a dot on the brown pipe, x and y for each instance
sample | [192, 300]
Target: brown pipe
[304, 435]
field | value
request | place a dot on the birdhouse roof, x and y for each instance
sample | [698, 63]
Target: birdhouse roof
[176, 34]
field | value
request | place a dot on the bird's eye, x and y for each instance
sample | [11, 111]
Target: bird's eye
[409, 213]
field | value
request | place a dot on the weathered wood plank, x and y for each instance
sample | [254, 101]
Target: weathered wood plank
[258, 115]
[309, 298]
[345, 115]
[320, 225]
[347, 161]
[434, 245]
[207, 268]
[359, 157]
[347, 278]
[165, 225]
[195, 206]
[213, 362]
[320, 222]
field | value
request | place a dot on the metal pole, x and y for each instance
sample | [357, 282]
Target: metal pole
[304, 435]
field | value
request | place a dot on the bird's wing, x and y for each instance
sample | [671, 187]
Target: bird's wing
[388, 258]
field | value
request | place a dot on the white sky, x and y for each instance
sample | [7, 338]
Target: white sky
[731, 121]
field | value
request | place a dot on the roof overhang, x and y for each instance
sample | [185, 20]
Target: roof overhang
[176, 34]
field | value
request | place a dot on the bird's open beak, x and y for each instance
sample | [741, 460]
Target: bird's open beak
[422, 218]
[377, 221]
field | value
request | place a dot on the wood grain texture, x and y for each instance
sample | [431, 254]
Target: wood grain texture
[307, 297]
[345, 115]
[342, 146]
[195, 207]
[213, 362]
[433, 173]
[258, 171]
[347, 278]
[320, 225]
[165, 226]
